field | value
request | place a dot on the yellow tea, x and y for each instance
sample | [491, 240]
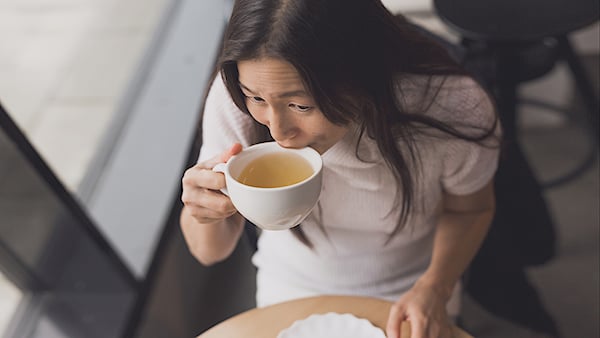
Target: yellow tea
[275, 170]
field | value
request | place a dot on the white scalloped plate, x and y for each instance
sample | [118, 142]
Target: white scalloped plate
[332, 325]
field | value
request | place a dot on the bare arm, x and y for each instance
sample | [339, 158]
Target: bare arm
[214, 242]
[460, 231]
[210, 223]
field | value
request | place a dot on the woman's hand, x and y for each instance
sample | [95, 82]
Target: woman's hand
[201, 196]
[210, 223]
[459, 232]
[424, 306]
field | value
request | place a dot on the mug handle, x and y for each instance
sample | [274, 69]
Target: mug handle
[220, 168]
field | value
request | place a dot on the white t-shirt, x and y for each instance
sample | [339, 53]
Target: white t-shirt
[357, 207]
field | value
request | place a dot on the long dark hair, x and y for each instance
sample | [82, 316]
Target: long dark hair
[350, 56]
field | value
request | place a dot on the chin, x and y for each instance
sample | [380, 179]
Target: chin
[293, 145]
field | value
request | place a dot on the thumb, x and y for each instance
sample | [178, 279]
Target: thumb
[233, 150]
[222, 158]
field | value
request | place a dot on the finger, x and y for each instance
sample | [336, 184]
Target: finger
[219, 203]
[417, 328]
[395, 319]
[234, 150]
[199, 177]
[205, 215]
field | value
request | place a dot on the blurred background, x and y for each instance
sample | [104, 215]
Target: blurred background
[100, 106]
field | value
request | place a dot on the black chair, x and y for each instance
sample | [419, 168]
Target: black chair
[513, 42]
[507, 43]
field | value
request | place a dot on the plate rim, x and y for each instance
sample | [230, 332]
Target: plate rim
[364, 321]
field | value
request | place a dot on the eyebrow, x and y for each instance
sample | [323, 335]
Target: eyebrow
[281, 95]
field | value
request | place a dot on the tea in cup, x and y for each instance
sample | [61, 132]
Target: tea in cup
[271, 186]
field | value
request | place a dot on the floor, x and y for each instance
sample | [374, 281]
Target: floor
[49, 84]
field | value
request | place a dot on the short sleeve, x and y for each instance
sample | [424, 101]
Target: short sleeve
[223, 123]
[468, 166]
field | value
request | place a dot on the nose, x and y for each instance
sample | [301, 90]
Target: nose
[280, 126]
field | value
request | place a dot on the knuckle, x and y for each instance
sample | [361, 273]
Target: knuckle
[396, 308]
[187, 178]
[222, 205]
[218, 181]
[196, 213]
[185, 197]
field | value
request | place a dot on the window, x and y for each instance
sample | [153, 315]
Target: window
[10, 296]
[87, 88]
[66, 68]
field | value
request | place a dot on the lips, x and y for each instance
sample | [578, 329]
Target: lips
[291, 142]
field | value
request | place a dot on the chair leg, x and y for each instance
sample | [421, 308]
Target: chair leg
[583, 83]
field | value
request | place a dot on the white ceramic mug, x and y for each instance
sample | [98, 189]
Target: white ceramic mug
[277, 208]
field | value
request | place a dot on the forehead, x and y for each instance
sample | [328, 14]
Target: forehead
[269, 75]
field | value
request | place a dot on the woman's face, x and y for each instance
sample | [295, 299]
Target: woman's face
[276, 97]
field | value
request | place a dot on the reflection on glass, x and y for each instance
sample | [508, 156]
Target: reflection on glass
[80, 287]
[66, 66]
[10, 296]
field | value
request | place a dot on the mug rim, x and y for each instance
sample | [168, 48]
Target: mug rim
[267, 144]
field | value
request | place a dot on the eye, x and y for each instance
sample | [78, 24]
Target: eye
[255, 99]
[300, 107]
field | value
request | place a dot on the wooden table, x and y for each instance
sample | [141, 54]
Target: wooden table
[268, 321]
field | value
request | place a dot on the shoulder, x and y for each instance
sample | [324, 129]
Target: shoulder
[462, 95]
[452, 99]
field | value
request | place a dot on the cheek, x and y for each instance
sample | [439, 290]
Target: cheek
[317, 126]
[257, 114]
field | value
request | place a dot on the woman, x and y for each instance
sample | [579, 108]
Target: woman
[409, 144]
